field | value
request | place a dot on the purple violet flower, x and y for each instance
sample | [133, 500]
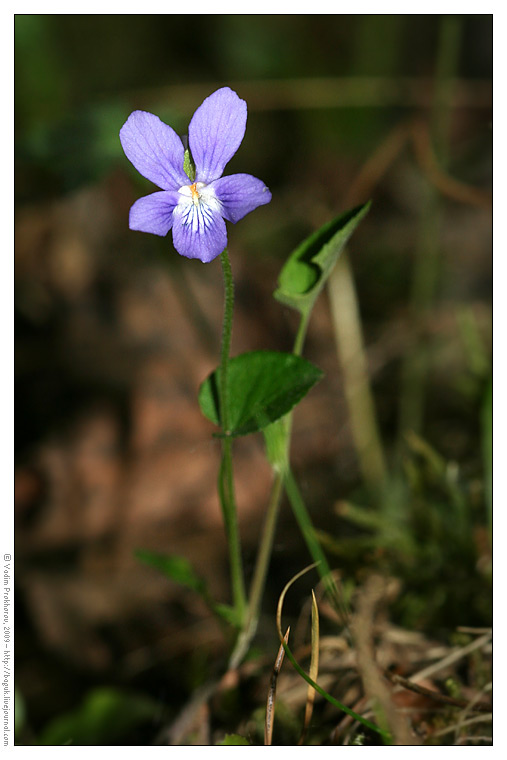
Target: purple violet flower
[195, 210]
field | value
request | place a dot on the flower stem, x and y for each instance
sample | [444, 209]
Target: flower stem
[226, 339]
[225, 478]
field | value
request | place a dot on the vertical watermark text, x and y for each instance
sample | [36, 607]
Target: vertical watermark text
[7, 691]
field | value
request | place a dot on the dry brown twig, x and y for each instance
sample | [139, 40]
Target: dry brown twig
[374, 684]
[414, 132]
[452, 657]
[447, 185]
[395, 679]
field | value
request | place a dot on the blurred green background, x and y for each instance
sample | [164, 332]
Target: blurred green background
[342, 108]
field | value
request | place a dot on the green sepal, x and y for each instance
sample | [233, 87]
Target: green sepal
[189, 166]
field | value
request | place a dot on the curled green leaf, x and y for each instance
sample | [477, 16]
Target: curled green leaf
[309, 266]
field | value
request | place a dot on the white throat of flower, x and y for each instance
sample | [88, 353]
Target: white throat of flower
[197, 205]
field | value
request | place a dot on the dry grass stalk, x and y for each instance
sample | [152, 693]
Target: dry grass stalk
[270, 703]
[314, 668]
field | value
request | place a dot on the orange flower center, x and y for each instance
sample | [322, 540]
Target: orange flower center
[195, 192]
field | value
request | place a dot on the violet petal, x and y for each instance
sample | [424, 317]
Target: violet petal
[199, 232]
[239, 194]
[215, 133]
[155, 150]
[154, 213]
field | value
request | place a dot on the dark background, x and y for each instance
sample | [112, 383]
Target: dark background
[115, 332]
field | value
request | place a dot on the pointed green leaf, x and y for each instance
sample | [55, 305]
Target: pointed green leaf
[180, 570]
[262, 387]
[309, 266]
[176, 568]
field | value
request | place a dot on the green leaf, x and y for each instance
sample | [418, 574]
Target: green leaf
[180, 570]
[106, 716]
[234, 740]
[176, 568]
[262, 387]
[309, 266]
[228, 613]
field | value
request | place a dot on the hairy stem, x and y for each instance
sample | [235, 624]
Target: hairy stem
[225, 478]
